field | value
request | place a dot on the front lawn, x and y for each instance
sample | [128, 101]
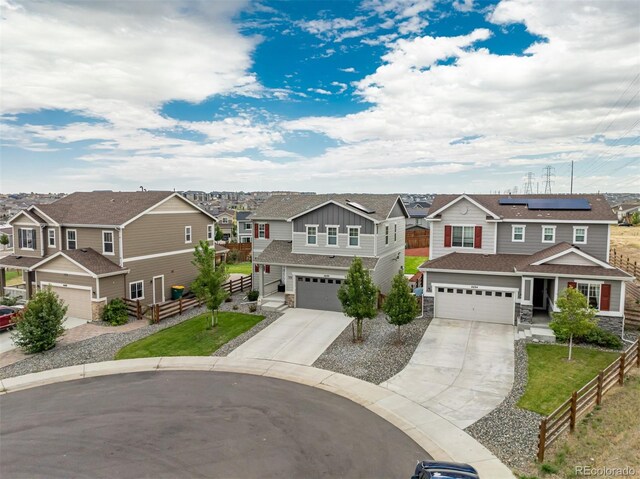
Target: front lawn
[12, 277]
[191, 338]
[552, 378]
[242, 268]
[411, 263]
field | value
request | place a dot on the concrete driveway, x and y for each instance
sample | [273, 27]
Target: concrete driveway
[6, 343]
[299, 336]
[461, 370]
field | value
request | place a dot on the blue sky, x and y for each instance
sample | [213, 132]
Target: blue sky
[377, 96]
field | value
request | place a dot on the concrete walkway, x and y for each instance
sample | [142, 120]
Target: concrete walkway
[299, 336]
[437, 436]
[461, 370]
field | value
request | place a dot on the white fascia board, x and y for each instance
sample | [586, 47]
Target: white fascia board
[173, 195]
[404, 208]
[549, 221]
[42, 213]
[61, 253]
[22, 212]
[464, 271]
[530, 274]
[471, 200]
[576, 251]
[115, 273]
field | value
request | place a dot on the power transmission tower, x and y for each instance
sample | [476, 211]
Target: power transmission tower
[528, 184]
[549, 173]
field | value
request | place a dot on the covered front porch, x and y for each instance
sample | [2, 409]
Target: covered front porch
[23, 286]
[538, 298]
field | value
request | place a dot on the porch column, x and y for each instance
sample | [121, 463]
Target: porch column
[261, 280]
[28, 285]
[3, 281]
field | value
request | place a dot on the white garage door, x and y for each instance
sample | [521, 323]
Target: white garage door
[491, 306]
[77, 300]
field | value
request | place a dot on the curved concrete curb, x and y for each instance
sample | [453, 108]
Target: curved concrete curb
[441, 439]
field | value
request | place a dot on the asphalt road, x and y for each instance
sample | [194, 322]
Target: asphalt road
[195, 425]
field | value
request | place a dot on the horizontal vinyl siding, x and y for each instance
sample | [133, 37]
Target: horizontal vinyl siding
[48, 250]
[271, 279]
[177, 270]
[92, 238]
[62, 264]
[387, 267]
[366, 248]
[161, 233]
[333, 215]
[278, 230]
[455, 215]
[380, 237]
[563, 283]
[16, 241]
[68, 280]
[113, 287]
[175, 204]
[596, 238]
[473, 280]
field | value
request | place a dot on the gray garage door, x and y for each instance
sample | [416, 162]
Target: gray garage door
[318, 293]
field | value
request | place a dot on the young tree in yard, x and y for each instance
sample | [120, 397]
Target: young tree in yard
[575, 317]
[40, 324]
[219, 233]
[208, 285]
[400, 306]
[635, 218]
[4, 239]
[358, 296]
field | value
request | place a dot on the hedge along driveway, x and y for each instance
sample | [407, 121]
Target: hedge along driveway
[192, 337]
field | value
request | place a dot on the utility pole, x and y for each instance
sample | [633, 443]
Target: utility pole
[528, 185]
[571, 190]
[549, 172]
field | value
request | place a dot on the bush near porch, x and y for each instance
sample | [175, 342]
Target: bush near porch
[552, 378]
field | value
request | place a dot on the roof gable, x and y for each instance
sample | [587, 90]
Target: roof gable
[451, 202]
[565, 257]
[26, 217]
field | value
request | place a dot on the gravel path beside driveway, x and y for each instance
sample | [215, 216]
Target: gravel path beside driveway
[379, 356]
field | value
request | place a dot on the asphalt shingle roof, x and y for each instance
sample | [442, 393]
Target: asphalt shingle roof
[279, 253]
[93, 261]
[242, 215]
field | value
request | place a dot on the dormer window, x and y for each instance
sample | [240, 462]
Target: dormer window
[312, 235]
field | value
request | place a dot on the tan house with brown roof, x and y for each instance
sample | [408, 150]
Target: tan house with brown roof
[95, 246]
[506, 259]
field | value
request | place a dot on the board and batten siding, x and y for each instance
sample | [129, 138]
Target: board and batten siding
[366, 247]
[162, 233]
[70, 280]
[112, 287]
[333, 214]
[596, 245]
[462, 279]
[278, 230]
[463, 213]
[92, 238]
[614, 306]
[386, 268]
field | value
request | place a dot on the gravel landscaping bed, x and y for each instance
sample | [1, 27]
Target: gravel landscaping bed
[104, 347]
[509, 432]
[379, 356]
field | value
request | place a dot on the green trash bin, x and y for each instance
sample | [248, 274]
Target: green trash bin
[176, 292]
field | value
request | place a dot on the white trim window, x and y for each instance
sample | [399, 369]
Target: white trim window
[395, 233]
[354, 236]
[72, 239]
[225, 220]
[580, 234]
[517, 233]
[26, 238]
[591, 291]
[332, 236]
[136, 290]
[386, 235]
[462, 236]
[247, 226]
[51, 236]
[262, 230]
[209, 232]
[312, 235]
[107, 242]
[187, 234]
[548, 234]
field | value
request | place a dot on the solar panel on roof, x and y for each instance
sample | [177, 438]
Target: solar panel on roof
[513, 201]
[358, 206]
[573, 204]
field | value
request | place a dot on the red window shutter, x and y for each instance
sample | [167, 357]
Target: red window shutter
[267, 268]
[255, 230]
[266, 231]
[605, 297]
[572, 284]
[256, 268]
[477, 243]
[447, 236]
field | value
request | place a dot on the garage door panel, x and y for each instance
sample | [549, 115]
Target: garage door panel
[318, 293]
[493, 306]
[78, 301]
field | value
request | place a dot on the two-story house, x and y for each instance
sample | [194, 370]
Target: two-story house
[93, 247]
[245, 227]
[226, 221]
[303, 245]
[503, 259]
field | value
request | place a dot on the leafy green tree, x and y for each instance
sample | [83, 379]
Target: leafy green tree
[4, 239]
[575, 318]
[234, 232]
[635, 218]
[219, 233]
[400, 306]
[40, 324]
[358, 296]
[208, 284]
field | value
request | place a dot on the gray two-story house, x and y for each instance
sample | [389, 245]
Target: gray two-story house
[503, 259]
[303, 245]
[95, 246]
[245, 228]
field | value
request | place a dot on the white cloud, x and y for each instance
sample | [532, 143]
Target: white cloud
[320, 91]
[341, 86]
[348, 70]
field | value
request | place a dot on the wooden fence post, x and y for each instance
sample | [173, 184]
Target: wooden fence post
[638, 352]
[599, 395]
[542, 439]
[180, 304]
[574, 406]
[138, 309]
[157, 313]
[623, 359]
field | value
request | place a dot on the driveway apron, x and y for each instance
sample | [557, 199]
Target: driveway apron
[299, 336]
[461, 370]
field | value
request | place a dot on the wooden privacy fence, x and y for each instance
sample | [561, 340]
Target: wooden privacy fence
[632, 305]
[243, 250]
[159, 311]
[416, 239]
[624, 263]
[585, 399]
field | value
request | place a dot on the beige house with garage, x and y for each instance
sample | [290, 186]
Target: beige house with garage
[92, 247]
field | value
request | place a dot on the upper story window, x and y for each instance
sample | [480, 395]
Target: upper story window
[548, 234]
[187, 234]
[107, 242]
[312, 235]
[247, 226]
[579, 234]
[262, 228]
[225, 220]
[51, 235]
[462, 236]
[27, 238]
[517, 233]
[72, 239]
[386, 234]
[395, 233]
[354, 236]
[210, 232]
[332, 236]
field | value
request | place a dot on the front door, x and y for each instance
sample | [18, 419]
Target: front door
[158, 289]
[538, 293]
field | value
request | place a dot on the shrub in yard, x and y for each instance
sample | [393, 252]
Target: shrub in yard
[400, 306]
[115, 313]
[40, 324]
[358, 296]
[253, 308]
[235, 307]
[253, 295]
[600, 337]
[232, 257]
[8, 301]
